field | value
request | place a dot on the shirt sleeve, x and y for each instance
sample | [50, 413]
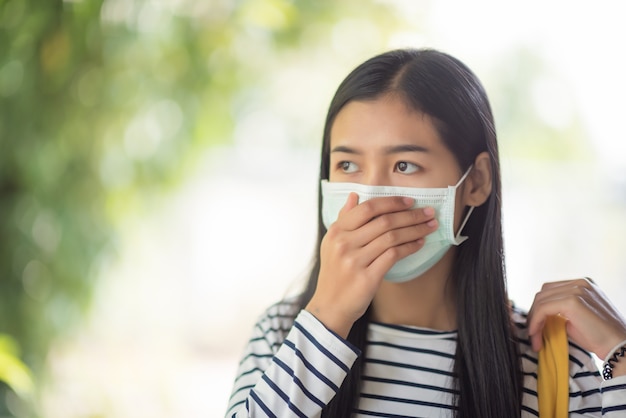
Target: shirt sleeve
[590, 395]
[614, 397]
[296, 377]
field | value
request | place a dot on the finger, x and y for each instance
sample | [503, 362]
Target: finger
[557, 304]
[351, 202]
[383, 263]
[537, 321]
[585, 281]
[536, 339]
[397, 228]
[370, 209]
[593, 322]
[546, 303]
[553, 289]
[397, 237]
[585, 320]
[390, 221]
[408, 240]
[568, 295]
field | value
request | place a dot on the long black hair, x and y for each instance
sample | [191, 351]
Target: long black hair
[487, 371]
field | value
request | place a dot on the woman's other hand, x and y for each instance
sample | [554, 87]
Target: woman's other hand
[592, 321]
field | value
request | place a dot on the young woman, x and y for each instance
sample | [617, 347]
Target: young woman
[406, 311]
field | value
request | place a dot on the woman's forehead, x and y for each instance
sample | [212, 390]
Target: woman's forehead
[383, 122]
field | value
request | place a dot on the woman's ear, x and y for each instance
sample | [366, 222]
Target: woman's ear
[477, 186]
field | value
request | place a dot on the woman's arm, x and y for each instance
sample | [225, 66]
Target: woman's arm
[296, 377]
[590, 396]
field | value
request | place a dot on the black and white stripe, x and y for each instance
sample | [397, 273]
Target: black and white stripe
[294, 368]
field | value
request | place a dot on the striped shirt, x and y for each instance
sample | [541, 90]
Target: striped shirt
[294, 368]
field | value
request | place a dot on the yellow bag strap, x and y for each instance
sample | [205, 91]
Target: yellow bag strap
[553, 370]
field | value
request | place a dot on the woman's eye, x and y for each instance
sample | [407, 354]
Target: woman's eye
[348, 166]
[406, 167]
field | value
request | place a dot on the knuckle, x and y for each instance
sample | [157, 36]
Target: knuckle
[590, 281]
[391, 236]
[341, 246]
[330, 240]
[417, 215]
[393, 253]
[573, 301]
[349, 263]
[582, 291]
[589, 292]
[537, 299]
[332, 231]
[384, 221]
[416, 245]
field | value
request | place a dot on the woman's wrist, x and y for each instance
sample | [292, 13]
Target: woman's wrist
[329, 319]
[619, 369]
[615, 362]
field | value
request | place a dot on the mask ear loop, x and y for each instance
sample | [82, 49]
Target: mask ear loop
[464, 176]
[458, 238]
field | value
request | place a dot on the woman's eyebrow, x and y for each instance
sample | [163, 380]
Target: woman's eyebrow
[343, 148]
[392, 149]
[397, 149]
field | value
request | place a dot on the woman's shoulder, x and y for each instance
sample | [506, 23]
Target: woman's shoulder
[279, 317]
[519, 319]
[284, 307]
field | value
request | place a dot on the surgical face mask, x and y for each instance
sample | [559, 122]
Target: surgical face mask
[335, 195]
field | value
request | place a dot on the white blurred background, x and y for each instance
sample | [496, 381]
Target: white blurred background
[173, 312]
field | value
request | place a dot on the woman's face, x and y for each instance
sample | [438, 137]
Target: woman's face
[384, 142]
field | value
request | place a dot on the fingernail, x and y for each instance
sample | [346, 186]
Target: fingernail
[432, 223]
[408, 200]
[429, 211]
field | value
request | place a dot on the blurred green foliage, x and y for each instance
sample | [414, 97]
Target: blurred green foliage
[12, 371]
[102, 104]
